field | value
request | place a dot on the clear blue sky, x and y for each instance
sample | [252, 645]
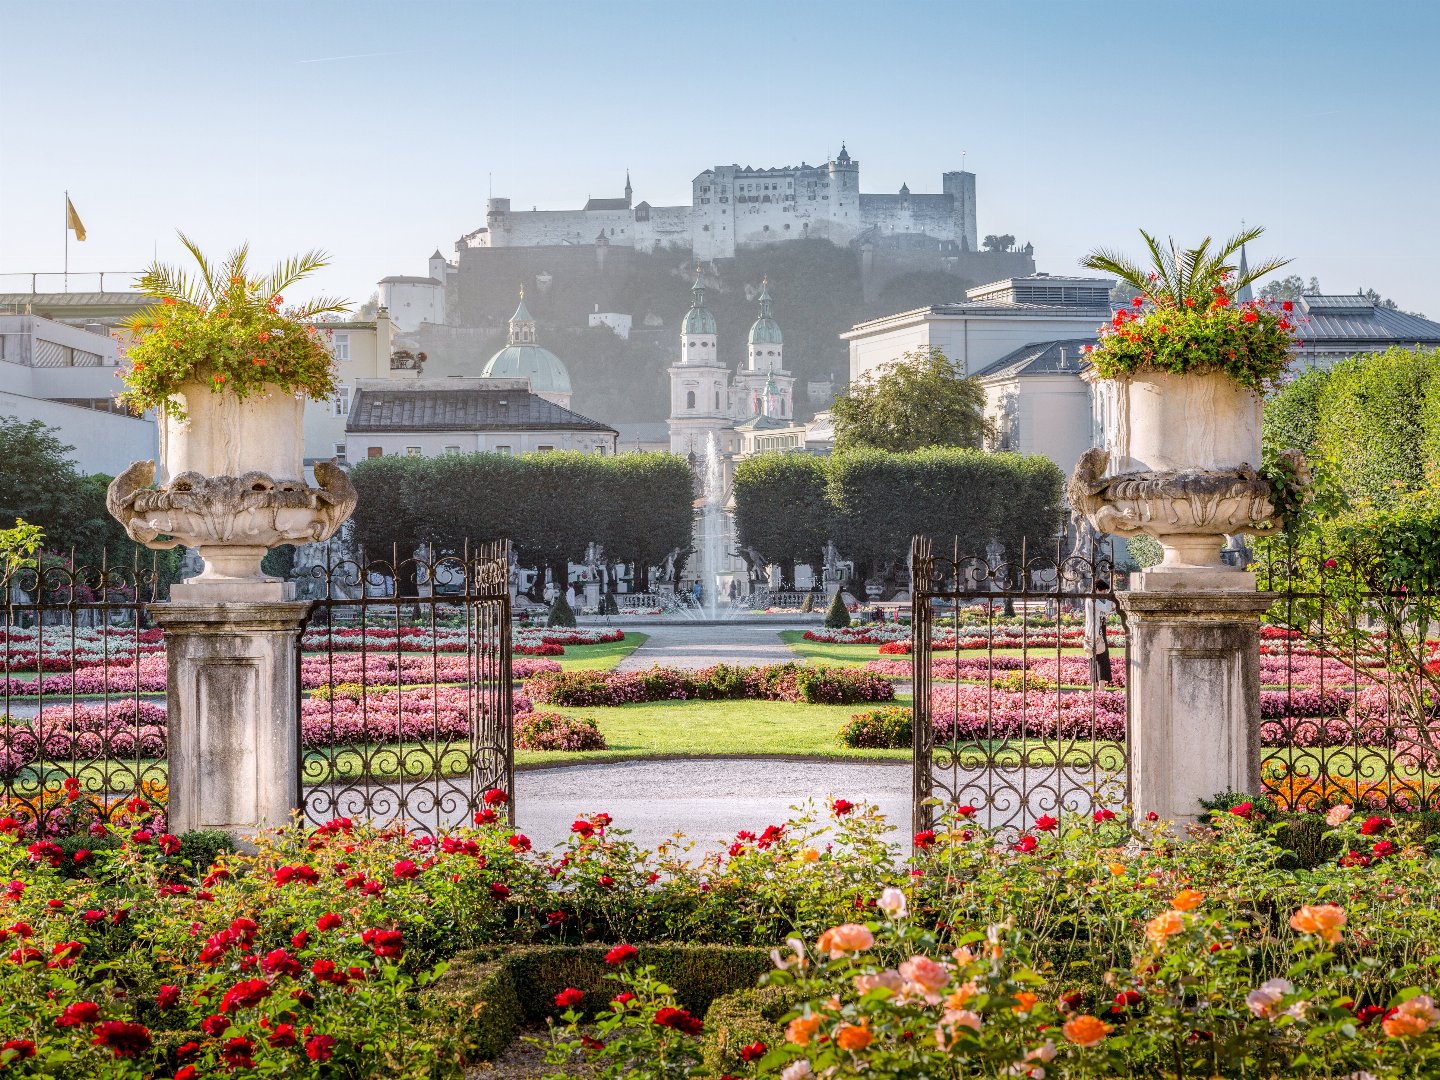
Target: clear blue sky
[372, 129]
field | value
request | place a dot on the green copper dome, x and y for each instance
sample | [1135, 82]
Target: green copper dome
[765, 330]
[543, 368]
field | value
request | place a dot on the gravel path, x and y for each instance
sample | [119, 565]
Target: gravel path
[701, 646]
[710, 800]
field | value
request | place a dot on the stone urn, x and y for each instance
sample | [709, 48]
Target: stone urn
[232, 485]
[1182, 467]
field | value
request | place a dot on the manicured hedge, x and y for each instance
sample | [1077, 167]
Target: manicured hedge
[494, 992]
[741, 1019]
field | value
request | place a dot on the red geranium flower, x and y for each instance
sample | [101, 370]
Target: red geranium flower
[569, 997]
[125, 1040]
[620, 953]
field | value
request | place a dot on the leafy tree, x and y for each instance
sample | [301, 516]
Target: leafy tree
[382, 525]
[922, 399]
[780, 509]
[1292, 414]
[1290, 287]
[1003, 242]
[650, 498]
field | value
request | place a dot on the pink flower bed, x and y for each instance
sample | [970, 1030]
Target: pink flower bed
[383, 668]
[777, 682]
[971, 713]
[1068, 670]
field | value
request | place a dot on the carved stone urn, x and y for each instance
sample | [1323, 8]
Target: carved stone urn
[1182, 468]
[232, 484]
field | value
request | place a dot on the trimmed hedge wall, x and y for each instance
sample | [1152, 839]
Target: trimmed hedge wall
[742, 1018]
[492, 993]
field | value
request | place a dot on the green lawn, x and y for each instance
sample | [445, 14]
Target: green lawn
[602, 657]
[821, 652]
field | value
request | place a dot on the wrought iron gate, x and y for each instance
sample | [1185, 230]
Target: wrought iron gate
[405, 704]
[1014, 715]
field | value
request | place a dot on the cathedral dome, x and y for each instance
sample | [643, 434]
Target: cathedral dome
[521, 358]
[698, 320]
[543, 368]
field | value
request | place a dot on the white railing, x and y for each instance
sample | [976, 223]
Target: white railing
[49, 282]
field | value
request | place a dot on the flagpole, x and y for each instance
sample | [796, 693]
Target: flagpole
[67, 240]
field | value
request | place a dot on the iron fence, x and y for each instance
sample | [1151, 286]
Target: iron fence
[1350, 676]
[82, 714]
[406, 700]
[1019, 715]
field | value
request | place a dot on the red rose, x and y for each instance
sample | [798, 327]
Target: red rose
[280, 962]
[620, 953]
[583, 829]
[606, 881]
[282, 1036]
[590, 1043]
[1026, 844]
[237, 1054]
[622, 999]
[841, 807]
[754, 1052]
[168, 997]
[1126, 998]
[966, 811]
[924, 838]
[320, 1047]
[215, 1025]
[389, 943]
[20, 1049]
[405, 869]
[1243, 810]
[1103, 814]
[328, 921]
[187, 1072]
[498, 891]
[168, 844]
[80, 1012]
[1152, 816]
[678, 1020]
[519, 842]
[569, 997]
[496, 797]
[125, 1040]
[65, 953]
[1046, 823]
[1383, 848]
[1373, 825]
[486, 817]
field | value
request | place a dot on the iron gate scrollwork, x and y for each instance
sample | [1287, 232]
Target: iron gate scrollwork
[1019, 715]
[406, 693]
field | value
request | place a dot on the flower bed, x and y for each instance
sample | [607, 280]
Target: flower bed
[122, 959]
[778, 682]
[555, 731]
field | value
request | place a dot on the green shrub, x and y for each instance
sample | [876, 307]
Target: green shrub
[554, 731]
[608, 606]
[837, 615]
[201, 847]
[808, 604]
[561, 613]
[479, 998]
[740, 1019]
[890, 727]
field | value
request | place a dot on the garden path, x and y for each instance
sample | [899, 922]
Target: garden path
[700, 646]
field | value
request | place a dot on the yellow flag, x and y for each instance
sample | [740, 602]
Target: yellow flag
[72, 219]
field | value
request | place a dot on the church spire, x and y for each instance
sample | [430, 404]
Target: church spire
[1244, 294]
[629, 191]
[522, 324]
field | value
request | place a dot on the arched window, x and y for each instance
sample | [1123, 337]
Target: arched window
[717, 399]
[689, 399]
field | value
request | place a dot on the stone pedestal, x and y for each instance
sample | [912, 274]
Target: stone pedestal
[1193, 677]
[232, 698]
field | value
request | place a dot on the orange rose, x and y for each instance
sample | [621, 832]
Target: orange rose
[1324, 920]
[846, 938]
[1117, 868]
[1085, 1030]
[802, 1029]
[1187, 900]
[925, 974]
[1413, 1017]
[1024, 1001]
[853, 1036]
[1164, 926]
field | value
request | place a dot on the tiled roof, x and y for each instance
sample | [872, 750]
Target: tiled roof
[407, 279]
[1039, 358]
[464, 409]
[607, 204]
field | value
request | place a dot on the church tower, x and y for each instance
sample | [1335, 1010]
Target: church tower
[763, 387]
[699, 383]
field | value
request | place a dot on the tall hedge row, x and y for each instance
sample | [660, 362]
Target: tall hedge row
[1372, 421]
[871, 503]
[551, 507]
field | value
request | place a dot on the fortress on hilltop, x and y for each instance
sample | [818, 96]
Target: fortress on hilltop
[734, 208]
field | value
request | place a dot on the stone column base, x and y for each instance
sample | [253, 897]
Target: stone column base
[1193, 677]
[232, 697]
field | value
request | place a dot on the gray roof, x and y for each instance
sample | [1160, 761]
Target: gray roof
[407, 279]
[1039, 358]
[1352, 319]
[462, 409]
[608, 204]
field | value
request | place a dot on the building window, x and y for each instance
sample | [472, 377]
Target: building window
[341, 343]
[689, 399]
[544, 448]
[374, 451]
[503, 450]
[341, 401]
[717, 399]
[413, 451]
[452, 449]
[340, 452]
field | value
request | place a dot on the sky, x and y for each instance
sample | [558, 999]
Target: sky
[376, 130]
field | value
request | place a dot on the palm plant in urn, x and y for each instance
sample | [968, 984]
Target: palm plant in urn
[227, 370]
[1179, 376]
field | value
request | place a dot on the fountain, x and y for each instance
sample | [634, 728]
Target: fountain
[713, 530]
